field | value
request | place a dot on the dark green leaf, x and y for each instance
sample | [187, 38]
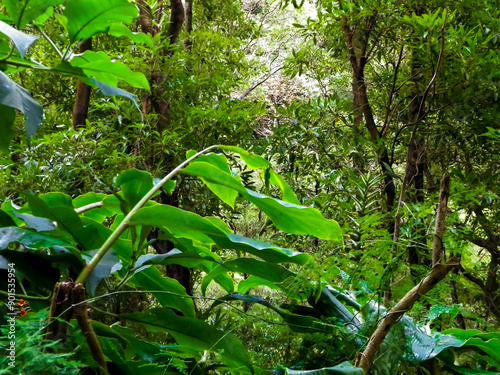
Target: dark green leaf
[134, 185]
[196, 335]
[109, 90]
[13, 95]
[106, 267]
[40, 224]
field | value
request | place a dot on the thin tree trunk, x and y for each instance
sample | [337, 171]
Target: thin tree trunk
[82, 99]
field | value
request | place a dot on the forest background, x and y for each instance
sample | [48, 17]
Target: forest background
[339, 213]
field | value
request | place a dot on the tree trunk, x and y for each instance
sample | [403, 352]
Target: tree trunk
[82, 99]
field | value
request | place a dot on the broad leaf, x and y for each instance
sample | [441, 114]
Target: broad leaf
[13, 95]
[288, 217]
[189, 225]
[195, 335]
[105, 268]
[345, 368]
[23, 12]
[109, 90]
[253, 161]
[31, 239]
[134, 185]
[87, 18]
[21, 40]
[40, 224]
[119, 30]
[100, 66]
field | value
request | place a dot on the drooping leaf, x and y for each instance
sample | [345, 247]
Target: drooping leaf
[21, 40]
[30, 239]
[23, 12]
[174, 256]
[58, 207]
[195, 335]
[119, 30]
[105, 268]
[6, 220]
[100, 66]
[253, 161]
[134, 185]
[7, 118]
[87, 18]
[109, 90]
[288, 217]
[228, 196]
[252, 282]
[40, 224]
[14, 96]
[166, 290]
[287, 193]
[189, 225]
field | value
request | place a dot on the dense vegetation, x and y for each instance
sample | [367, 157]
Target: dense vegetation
[193, 187]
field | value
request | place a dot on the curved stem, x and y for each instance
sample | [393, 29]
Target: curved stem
[84, 275]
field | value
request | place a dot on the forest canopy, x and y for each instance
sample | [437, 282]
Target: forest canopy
[249, 187]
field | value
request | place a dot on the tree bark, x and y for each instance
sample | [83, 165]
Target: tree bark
[438, 248]
[435, 275]
[82, 99]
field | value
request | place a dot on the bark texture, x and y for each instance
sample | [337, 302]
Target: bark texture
[82, 99]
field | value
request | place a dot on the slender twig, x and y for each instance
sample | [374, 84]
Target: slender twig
[50, 41]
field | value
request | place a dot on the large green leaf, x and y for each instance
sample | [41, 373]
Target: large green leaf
[109, 90]
[268, 271]
[226, 195]
[119, 30]
[23, 12]
[100, 66]
[86, 18]
[58, 207]
[105, 268]
[253, 161]
[31, 239]
[166, 290]
[134, 185]
[13, 95]
[189, 225]
[21, 40]
[288, 217]
[196, 335]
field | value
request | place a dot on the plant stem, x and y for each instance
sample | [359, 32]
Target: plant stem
[84, 275]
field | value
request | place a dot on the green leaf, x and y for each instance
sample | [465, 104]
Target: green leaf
[174, 256]
[100, 66]
[58, 207]
[119, 30]
[13, 95]
[195, 335]
[189, 225]
[87, 18]
[40, 224]
[134, 185]
[6, 220]
[345, 368]
[288, 217]
[226, 195]
[7, 118]
[21, 40]
[253, 282]
[253, 161]
[23, 12]
[287, 193]
[166, 290]
[30, 239]
[109, 90]
[105, 268]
